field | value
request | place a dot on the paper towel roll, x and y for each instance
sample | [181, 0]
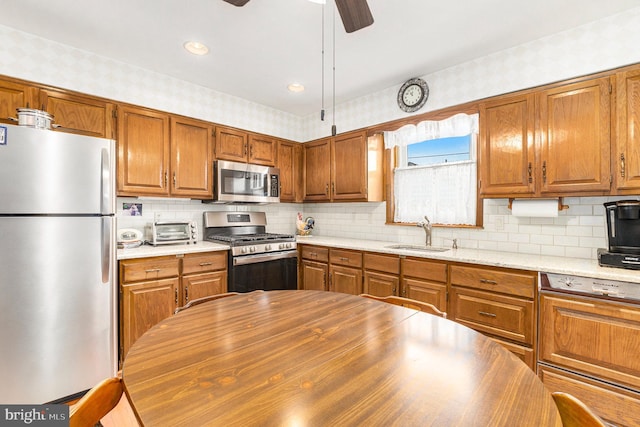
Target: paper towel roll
[535, 207]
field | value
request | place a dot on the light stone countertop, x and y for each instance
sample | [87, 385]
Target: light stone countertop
[541, 263]
[146, 251]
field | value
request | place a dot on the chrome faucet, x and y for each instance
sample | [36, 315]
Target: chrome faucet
[426, 226]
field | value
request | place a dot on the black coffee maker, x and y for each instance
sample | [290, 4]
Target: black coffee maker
[623, 231]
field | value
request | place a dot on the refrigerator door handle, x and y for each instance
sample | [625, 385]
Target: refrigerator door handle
[106, 249]
[105, 184]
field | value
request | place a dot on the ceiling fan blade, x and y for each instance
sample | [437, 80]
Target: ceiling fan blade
[355, 14]
[238, 3]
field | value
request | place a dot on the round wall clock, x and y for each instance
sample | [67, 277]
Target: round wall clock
[413, 95]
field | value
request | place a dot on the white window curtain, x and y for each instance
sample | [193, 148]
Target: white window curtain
[446, 193]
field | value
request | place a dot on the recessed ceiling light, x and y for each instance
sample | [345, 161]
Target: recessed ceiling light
[196, 48]
[295, 87]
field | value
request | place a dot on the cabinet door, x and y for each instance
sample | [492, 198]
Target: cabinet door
[79, 114]
[627, 153]
[231, 145]
[196, 286]
[143, 305]
[426, 291]
[262, 150]
[574, 131]
[191, 154]
[591, 336]
[314, 275]
[380, 284]
[349, 167]
[345, 279]
[143, 152]
[317, 171]
[507, 151]
[14, 95]
[289, 163]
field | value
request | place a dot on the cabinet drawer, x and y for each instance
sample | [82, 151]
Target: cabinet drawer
[614, 405]
[422, 269]
[134, 270]
[384, 263]
[315, 253]
[199, 263]
[345, 257]
[506, 282]
[503, 316]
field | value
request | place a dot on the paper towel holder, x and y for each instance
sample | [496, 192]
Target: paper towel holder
[561, 207]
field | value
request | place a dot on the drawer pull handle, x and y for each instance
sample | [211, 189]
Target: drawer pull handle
[203, 264]
[152, 270]
[488, 282]
[484, 313]
[344, 258]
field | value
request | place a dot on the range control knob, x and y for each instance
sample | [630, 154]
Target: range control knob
[568, 282]
[244, 250]
[267, 247]
[252, 249]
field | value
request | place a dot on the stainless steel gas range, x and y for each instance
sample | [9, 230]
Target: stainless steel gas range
[257, 260]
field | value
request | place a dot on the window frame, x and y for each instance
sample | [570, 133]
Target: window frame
[391, 161]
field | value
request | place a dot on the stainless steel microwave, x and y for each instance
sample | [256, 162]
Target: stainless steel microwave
[236, 182]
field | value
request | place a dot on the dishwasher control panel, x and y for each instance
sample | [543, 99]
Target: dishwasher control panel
[591, 286]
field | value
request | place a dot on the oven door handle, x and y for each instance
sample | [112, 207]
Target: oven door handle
[252, 259]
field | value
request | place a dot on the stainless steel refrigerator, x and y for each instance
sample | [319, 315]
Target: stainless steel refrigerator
[57, 264]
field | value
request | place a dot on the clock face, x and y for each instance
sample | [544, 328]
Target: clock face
[413, 95]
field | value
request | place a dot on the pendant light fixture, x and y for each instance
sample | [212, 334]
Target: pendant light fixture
[333, 125]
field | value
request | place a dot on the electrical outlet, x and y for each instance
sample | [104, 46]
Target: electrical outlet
[499, 223]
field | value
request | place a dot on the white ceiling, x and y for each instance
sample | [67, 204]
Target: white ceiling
[257, 50]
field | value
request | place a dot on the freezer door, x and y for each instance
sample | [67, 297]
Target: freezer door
[57, 316]
[46, 172]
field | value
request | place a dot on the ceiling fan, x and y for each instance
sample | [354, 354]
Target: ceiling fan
[355, 14]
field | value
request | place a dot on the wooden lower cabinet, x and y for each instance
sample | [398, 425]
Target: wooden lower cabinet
[345, 271]
[424, 280]
[152, 288]
[615, 405]
[381, 274]
[499, 303]
[314, 275]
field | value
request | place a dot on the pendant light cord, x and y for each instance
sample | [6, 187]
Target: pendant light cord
[333, 125]
[322, 70]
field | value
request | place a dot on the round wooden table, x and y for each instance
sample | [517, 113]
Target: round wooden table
[313, 358]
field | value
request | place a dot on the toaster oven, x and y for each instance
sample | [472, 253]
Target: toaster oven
[174, 232]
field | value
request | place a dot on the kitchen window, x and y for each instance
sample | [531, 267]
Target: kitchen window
[436, 171]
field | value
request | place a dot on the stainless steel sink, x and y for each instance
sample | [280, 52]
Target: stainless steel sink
[417, 248]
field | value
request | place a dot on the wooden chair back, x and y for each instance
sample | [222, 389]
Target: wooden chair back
[96, 403]
[203, 300]
[574, 413]
[409, 303]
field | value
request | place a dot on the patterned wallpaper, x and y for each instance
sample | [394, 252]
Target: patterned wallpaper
[577, 232]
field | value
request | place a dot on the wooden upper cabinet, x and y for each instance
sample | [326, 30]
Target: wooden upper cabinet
[290, 165]
[349, 167]
[626, 155]
[507, 150]
[575, 137]
[191, 158]
[317, 170]
[338, 169]
[78, 114]
[263, 150]
[231, 144]
[14, 95]
[239, 146]
[143, 152]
